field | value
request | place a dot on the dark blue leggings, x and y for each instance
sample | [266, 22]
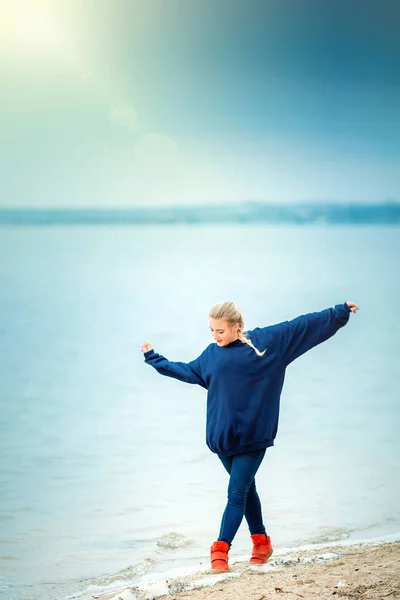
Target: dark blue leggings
[243, 499]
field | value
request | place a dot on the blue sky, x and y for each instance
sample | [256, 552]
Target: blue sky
[130, 102]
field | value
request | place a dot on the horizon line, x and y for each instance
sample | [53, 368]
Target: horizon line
[122, 207]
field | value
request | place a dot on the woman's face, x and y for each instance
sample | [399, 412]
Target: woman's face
[222, 333]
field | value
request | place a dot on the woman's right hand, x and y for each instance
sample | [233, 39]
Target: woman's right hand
[146, 347]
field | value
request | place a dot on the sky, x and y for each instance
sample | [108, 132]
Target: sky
[158, 102]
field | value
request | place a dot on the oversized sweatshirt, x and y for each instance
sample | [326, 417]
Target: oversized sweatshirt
[244, 389]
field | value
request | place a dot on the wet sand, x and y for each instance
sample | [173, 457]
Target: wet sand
[365, 572]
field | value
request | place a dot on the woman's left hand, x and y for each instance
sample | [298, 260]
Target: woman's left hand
[353, 306]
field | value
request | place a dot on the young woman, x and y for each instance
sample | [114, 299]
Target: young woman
[244, 373]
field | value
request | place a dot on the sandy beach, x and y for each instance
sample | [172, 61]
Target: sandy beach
[366, 572]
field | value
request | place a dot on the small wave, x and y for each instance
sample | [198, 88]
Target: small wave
[330, 534]
[174, 540]
[117, 581]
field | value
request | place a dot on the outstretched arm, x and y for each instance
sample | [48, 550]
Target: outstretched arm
[187, 372]
[307, 331]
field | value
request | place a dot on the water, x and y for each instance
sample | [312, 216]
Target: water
[104, 472]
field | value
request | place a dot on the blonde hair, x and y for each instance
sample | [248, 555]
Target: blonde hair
[232, 315]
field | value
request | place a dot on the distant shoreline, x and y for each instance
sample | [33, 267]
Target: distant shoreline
[245, 213]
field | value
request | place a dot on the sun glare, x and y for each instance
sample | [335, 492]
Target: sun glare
[36, 30]
[27, 24]
[39, 33]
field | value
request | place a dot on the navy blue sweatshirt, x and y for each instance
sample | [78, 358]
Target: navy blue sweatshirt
[244, 389]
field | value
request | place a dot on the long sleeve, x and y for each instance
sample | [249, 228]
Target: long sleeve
[307, 331]
[187, 372]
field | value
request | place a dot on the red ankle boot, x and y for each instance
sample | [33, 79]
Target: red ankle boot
[262, 548]
[219, 557]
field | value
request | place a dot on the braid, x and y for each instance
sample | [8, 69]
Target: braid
[243, 338]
